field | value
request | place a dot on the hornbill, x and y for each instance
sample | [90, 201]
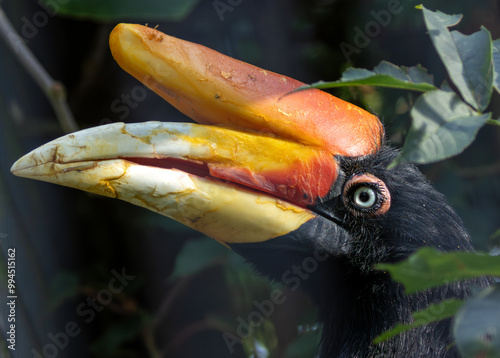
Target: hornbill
[296, 182]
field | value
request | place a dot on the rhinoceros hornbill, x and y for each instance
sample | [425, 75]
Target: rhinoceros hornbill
[296, 182]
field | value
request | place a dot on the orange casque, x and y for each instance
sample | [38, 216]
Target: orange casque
[215, 89]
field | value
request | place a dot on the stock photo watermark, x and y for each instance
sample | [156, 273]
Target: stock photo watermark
[131, 100]
[11, 298]
[363, 36]
[293, 278]
[127, 101]
[31, 26]
[87, 310]
[223, 6]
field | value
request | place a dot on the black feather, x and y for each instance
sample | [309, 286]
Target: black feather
[357, 302]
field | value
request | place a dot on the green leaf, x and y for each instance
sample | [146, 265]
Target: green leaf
[442, 126]
[496, 64]
[306, 345]
[385, 74]
[476, 53]
[477, 325]
[119, 10]
[263, 342]
[494, 243]
[495, 235]
[196, 255]
[432, 313]
[429, 268]
[468, 59]
[419, 74]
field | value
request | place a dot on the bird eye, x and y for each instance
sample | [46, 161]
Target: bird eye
[364, 197]
[365, 194]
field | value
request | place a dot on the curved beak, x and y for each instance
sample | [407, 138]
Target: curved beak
[249, 175]
[166, 167]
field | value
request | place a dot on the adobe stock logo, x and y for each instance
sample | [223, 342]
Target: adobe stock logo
[121, 106]
[87, 310]
[293, 277]
[363, 37]
[30, 27]
[129, 101]
[224, 6]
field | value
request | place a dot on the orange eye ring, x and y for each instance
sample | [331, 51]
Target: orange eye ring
[365, 194]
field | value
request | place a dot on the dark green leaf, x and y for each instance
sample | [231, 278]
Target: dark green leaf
[429, 268]
[118, 10]
[476, 53]
[385, 74]
[466, 58]
[439, 18]
[196, 255]
[432, 313]
[495, 235]
[419, 74]
[442, 126]
[263, 342]
[477, 325]
[392, 70]
[305, 345]
[445, 86]
[496, 64]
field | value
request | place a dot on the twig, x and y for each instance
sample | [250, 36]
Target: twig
[174, 294]
[493, 121]
[54, 90]
[169, 301]
[149, 342]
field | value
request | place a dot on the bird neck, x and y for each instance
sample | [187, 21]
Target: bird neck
[357, 307]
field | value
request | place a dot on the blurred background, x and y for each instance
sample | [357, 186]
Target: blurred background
[183, 295]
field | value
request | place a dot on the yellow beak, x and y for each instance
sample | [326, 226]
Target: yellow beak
[251, 178]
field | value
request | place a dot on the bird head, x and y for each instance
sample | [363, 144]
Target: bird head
[295, 181]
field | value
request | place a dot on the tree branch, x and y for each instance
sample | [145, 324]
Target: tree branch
[54, 90]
